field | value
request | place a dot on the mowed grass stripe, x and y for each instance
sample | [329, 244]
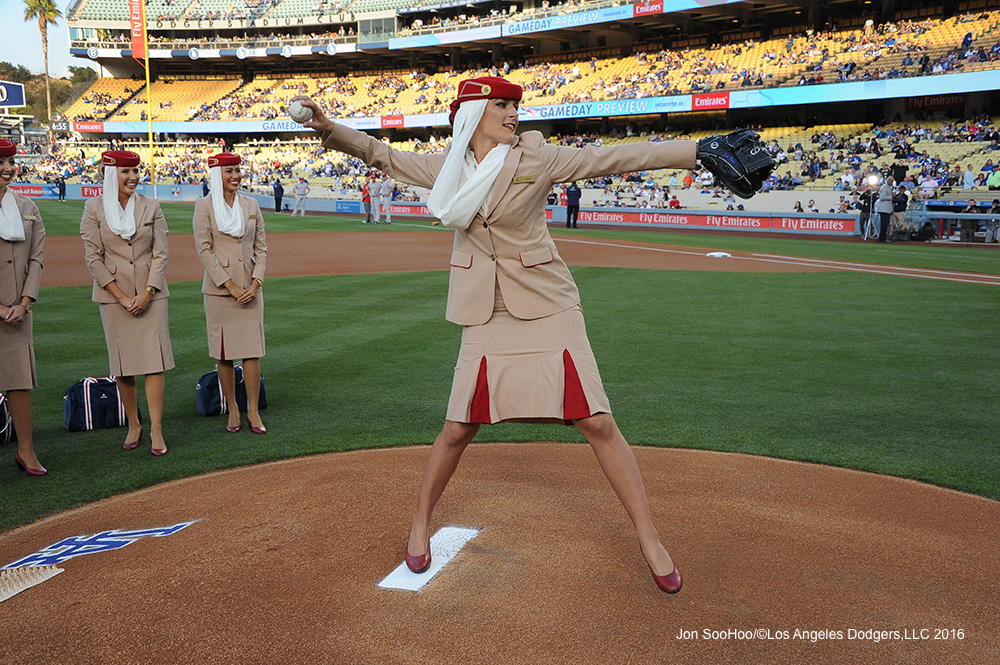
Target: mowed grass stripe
[63, 218]
[876, 373]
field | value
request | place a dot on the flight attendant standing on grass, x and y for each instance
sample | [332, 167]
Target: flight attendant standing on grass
[125, 247]
[22, 238]
[229, 237]
[512, 292]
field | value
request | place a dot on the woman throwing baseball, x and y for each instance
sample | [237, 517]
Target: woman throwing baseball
[525, 355]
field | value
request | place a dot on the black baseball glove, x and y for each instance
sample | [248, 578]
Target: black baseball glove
[739, 160]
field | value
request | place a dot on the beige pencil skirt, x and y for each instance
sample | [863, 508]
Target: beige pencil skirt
[235, 331]
[539, 370]
[17, 356]
[137, 344]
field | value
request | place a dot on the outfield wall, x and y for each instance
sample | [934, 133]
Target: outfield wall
[829, 225]
[766, 222]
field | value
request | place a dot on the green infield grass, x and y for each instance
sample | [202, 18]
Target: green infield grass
[63, 218]
[884, 374]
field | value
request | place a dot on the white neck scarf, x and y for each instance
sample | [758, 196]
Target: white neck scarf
[228, 218]
[11, 226]
[455, 200]
[121, 222]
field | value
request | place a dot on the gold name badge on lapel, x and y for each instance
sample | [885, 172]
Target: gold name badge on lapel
[524, 179]
[30, 218]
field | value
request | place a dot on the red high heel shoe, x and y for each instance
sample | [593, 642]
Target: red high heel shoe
[671, 583]
[132, 445]
[419, 564]
[40, 471]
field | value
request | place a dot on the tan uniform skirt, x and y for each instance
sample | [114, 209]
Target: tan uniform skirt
[137, 344]
[235, 331]
[17, 356]
[536, 370]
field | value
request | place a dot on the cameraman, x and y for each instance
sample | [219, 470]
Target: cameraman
[969, 225]
[899, 204]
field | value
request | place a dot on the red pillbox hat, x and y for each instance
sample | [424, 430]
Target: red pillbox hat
[7, 148]
[119, 158]
[224, 159]
[484, 87]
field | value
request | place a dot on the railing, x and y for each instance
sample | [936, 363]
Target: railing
[517, 18]
[257, 42]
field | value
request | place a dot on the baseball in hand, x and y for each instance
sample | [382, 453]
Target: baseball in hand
[300, 113]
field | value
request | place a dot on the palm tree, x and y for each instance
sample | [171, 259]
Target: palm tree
[46, 12]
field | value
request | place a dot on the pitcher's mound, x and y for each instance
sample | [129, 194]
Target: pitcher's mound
[782, 562]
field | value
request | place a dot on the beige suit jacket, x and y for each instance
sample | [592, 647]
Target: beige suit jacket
[225, 257]
[21, 262]
[510, 246]
[133, 264]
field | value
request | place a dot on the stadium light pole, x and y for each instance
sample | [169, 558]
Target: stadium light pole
[140, 49]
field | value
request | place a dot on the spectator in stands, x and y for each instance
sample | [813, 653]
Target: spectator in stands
[517, 294]
[968, 178]
[899, 169]
[22, 240]
[798, 207]
[993, 182]
[125, 247]
[928, 187]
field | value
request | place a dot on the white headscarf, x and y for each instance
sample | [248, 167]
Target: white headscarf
[228, 218]
[461, 189]
[11, 226]
[121, 222]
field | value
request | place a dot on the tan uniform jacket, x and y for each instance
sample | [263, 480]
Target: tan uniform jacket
[511, 245]
[21, 262]
[225, 257]
[133, 264]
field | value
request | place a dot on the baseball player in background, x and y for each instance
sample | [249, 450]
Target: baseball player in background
[301, 191]
[385, 199]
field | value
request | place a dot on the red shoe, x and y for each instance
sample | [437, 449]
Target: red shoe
[132, 445]
[419, 564]
[671, 583]
[159, 452]
[40, 471]
[258, 430]
[234, 429]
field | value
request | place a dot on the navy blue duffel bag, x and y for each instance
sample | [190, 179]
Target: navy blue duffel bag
[94, 403]
[210, 401]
